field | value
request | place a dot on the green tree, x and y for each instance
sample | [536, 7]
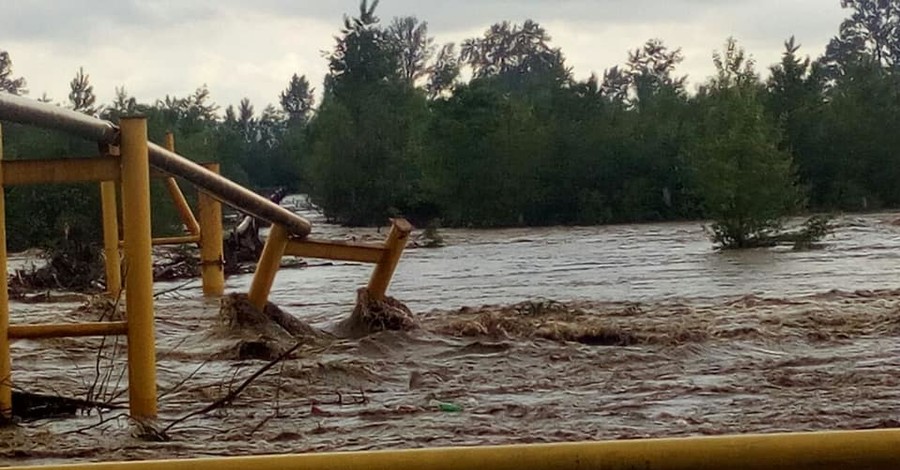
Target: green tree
[297, 100]
[870, 34]
[746, 182]
[516, 55]
[8, 83]
[367, 137]
[444, 72]
[795, 100]
[81, 93]
[122, 105]
[413, 47]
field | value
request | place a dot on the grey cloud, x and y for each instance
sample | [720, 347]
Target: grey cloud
[47, 20]
[139, 43]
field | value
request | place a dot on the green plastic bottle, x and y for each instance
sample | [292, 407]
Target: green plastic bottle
[449, 407]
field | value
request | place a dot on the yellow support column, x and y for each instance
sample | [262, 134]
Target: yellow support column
[393, 249]
[138, 268]
[5, 360]
[111, 238]
[212, 257]
[181, 204]
[267, 266]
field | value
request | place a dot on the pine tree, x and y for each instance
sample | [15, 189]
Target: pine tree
[81, 94]
[297, 100]
[16, 86]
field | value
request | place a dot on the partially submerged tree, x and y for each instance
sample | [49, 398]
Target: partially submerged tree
[746, 182]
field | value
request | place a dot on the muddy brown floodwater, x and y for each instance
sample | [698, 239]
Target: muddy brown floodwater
[538, 335]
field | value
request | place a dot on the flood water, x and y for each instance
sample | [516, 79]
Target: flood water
[650, 332]
[648, 262]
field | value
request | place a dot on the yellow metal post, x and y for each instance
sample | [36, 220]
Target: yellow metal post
[267, 266]
[393, 249]
[181, 204]
[111, 238]
[212, 258]
[5, 360]
[138, 268]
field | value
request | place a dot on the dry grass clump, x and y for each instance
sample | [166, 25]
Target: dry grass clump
[585, 323]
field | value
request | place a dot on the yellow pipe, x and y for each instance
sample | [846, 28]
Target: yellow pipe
[111, 238]
[212, 257]
[336, 250]
[393, 249]
[5, 360]
[181, 204]
[172, 240]
[176, 240]
[871, 450]
[267, 266]
[67, 330]
[60, 170]
[138, 268]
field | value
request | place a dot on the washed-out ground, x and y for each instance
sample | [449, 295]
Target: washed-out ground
[685, 341]
[533, 372]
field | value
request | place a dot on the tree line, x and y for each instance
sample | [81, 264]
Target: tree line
[496, 131]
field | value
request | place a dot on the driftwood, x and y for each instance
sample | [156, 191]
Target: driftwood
[74, 264]
[242, 244]
[242, 247]
[31, 406]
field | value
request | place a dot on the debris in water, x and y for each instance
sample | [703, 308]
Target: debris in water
[32, 406]
[449, 407]
[265, 334]
[72, 265]
[371, 316]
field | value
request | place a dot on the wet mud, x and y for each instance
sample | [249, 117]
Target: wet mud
[480, 368]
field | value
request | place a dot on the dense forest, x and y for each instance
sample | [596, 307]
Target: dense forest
[496, 131]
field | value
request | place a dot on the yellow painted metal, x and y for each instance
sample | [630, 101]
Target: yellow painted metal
[60, 170]
[337, 250]
[393, 249]
[5, 360]
[171, 240]
[111, 238]
[212, 256]
[839, 450]
[181, 204]
[138, 268]
[66, 330]
[267, 266]
[176, 240]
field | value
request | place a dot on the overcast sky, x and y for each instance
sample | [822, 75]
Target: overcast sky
[251, 48]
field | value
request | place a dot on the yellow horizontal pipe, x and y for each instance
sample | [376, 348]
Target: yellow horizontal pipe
[878, 449]
[176, 240]
[60, 170]
[337, 250]
[66, 330]
[172, 240]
